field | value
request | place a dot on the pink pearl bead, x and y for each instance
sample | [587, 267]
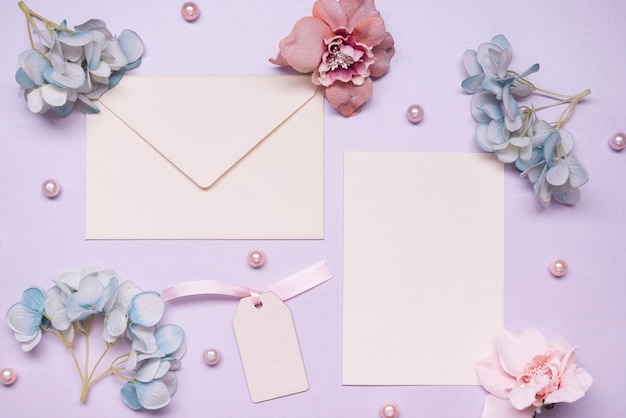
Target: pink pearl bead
[256, 258]
[50, 188]
[8, 376]
[618, 141]
[211, 356]
[190, 11]
[558, 268]
[389, 410]
[415, 113]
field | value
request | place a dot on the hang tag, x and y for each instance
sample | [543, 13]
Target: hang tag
[269, 348]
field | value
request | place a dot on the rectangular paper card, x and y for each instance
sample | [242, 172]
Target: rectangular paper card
[423, 266]
[269, 348]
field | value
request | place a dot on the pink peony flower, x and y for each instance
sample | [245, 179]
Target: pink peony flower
[527, 373]
[343, 44]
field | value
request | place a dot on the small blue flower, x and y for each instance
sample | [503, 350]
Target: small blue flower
[93, 295]
[26, 318]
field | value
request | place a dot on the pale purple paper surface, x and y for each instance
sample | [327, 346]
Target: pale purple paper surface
[579, 45]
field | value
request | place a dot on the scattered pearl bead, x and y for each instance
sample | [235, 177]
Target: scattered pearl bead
[558, 268]
[190, 11]
[8, 376]
[415, 113]
[211, 356]
[618, 141]
[256, 258]
[389, 410]
[50, 188]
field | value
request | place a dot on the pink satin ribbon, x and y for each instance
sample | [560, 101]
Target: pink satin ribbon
[285, 289]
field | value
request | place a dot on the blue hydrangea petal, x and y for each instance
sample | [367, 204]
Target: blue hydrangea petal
[23, 320]
[558, 174]
[501, 42]
[23, 80]
[131, 44]
[481, 138]
[474, 84]
[146, 308]
[471, 64]
[90, 25]
[578, 175]
[485, 107]
[153, 395]
[33, 65]
[530, 70]
[169, 338]
[129, 395]
[34, 298]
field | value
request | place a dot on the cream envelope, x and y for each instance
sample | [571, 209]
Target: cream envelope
[206, 157]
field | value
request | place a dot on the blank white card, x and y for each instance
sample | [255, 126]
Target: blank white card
[423, 266]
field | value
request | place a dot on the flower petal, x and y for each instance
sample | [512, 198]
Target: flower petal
[348, 98]
[153, 395]
[498, 408]
[574, 383]
[147, 370]
[53, 95]
[169, 338]
[33, 65]
[472, 67]
[558, 174]
[331, 12]
[357, 11]
[523, 397]
[578, 175]
[146, 308]
[131, 44]
[304, 46]
[23, 320]
[492, 377]
[383, 52]
[370, 31]
[129, 395]
[517, 349]
[116, 323]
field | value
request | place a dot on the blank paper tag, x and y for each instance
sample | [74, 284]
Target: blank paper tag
[269, 348]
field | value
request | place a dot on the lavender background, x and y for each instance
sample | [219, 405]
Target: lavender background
[579, 45]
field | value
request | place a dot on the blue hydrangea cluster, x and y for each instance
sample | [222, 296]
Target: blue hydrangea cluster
[68, 310]
[541, 151]
[72, 68]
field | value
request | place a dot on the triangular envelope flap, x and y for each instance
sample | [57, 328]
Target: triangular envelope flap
[205, 124]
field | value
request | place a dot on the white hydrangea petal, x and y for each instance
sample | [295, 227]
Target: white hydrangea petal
[164, 367]
[114, 55]
[148, 370]
[481, 137]
[22, 319]
[578, 175]
[102, 70]
[131, 44]
[76, 39]
[171, 382]
[169, 337]
[35, 101]
[146, 308]
[153, 395]
[558, 174]
[508, 154]
[33, 65]
[53, 95]
[28, 346]
[116, 323]
[72, 76]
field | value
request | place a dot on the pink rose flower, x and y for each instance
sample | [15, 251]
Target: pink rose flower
[343, 44]
[529, 372]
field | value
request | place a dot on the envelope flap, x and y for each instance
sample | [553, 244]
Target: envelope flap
[204, 125]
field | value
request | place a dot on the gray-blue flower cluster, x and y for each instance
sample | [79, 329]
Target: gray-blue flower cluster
[68, 309]
[74, 67]
[514, 133]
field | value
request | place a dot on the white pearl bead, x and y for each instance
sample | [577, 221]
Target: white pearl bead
[618, 141]
[8, 376]
[50, 188]
[211, 356]
[256, 258]
[415, 113]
